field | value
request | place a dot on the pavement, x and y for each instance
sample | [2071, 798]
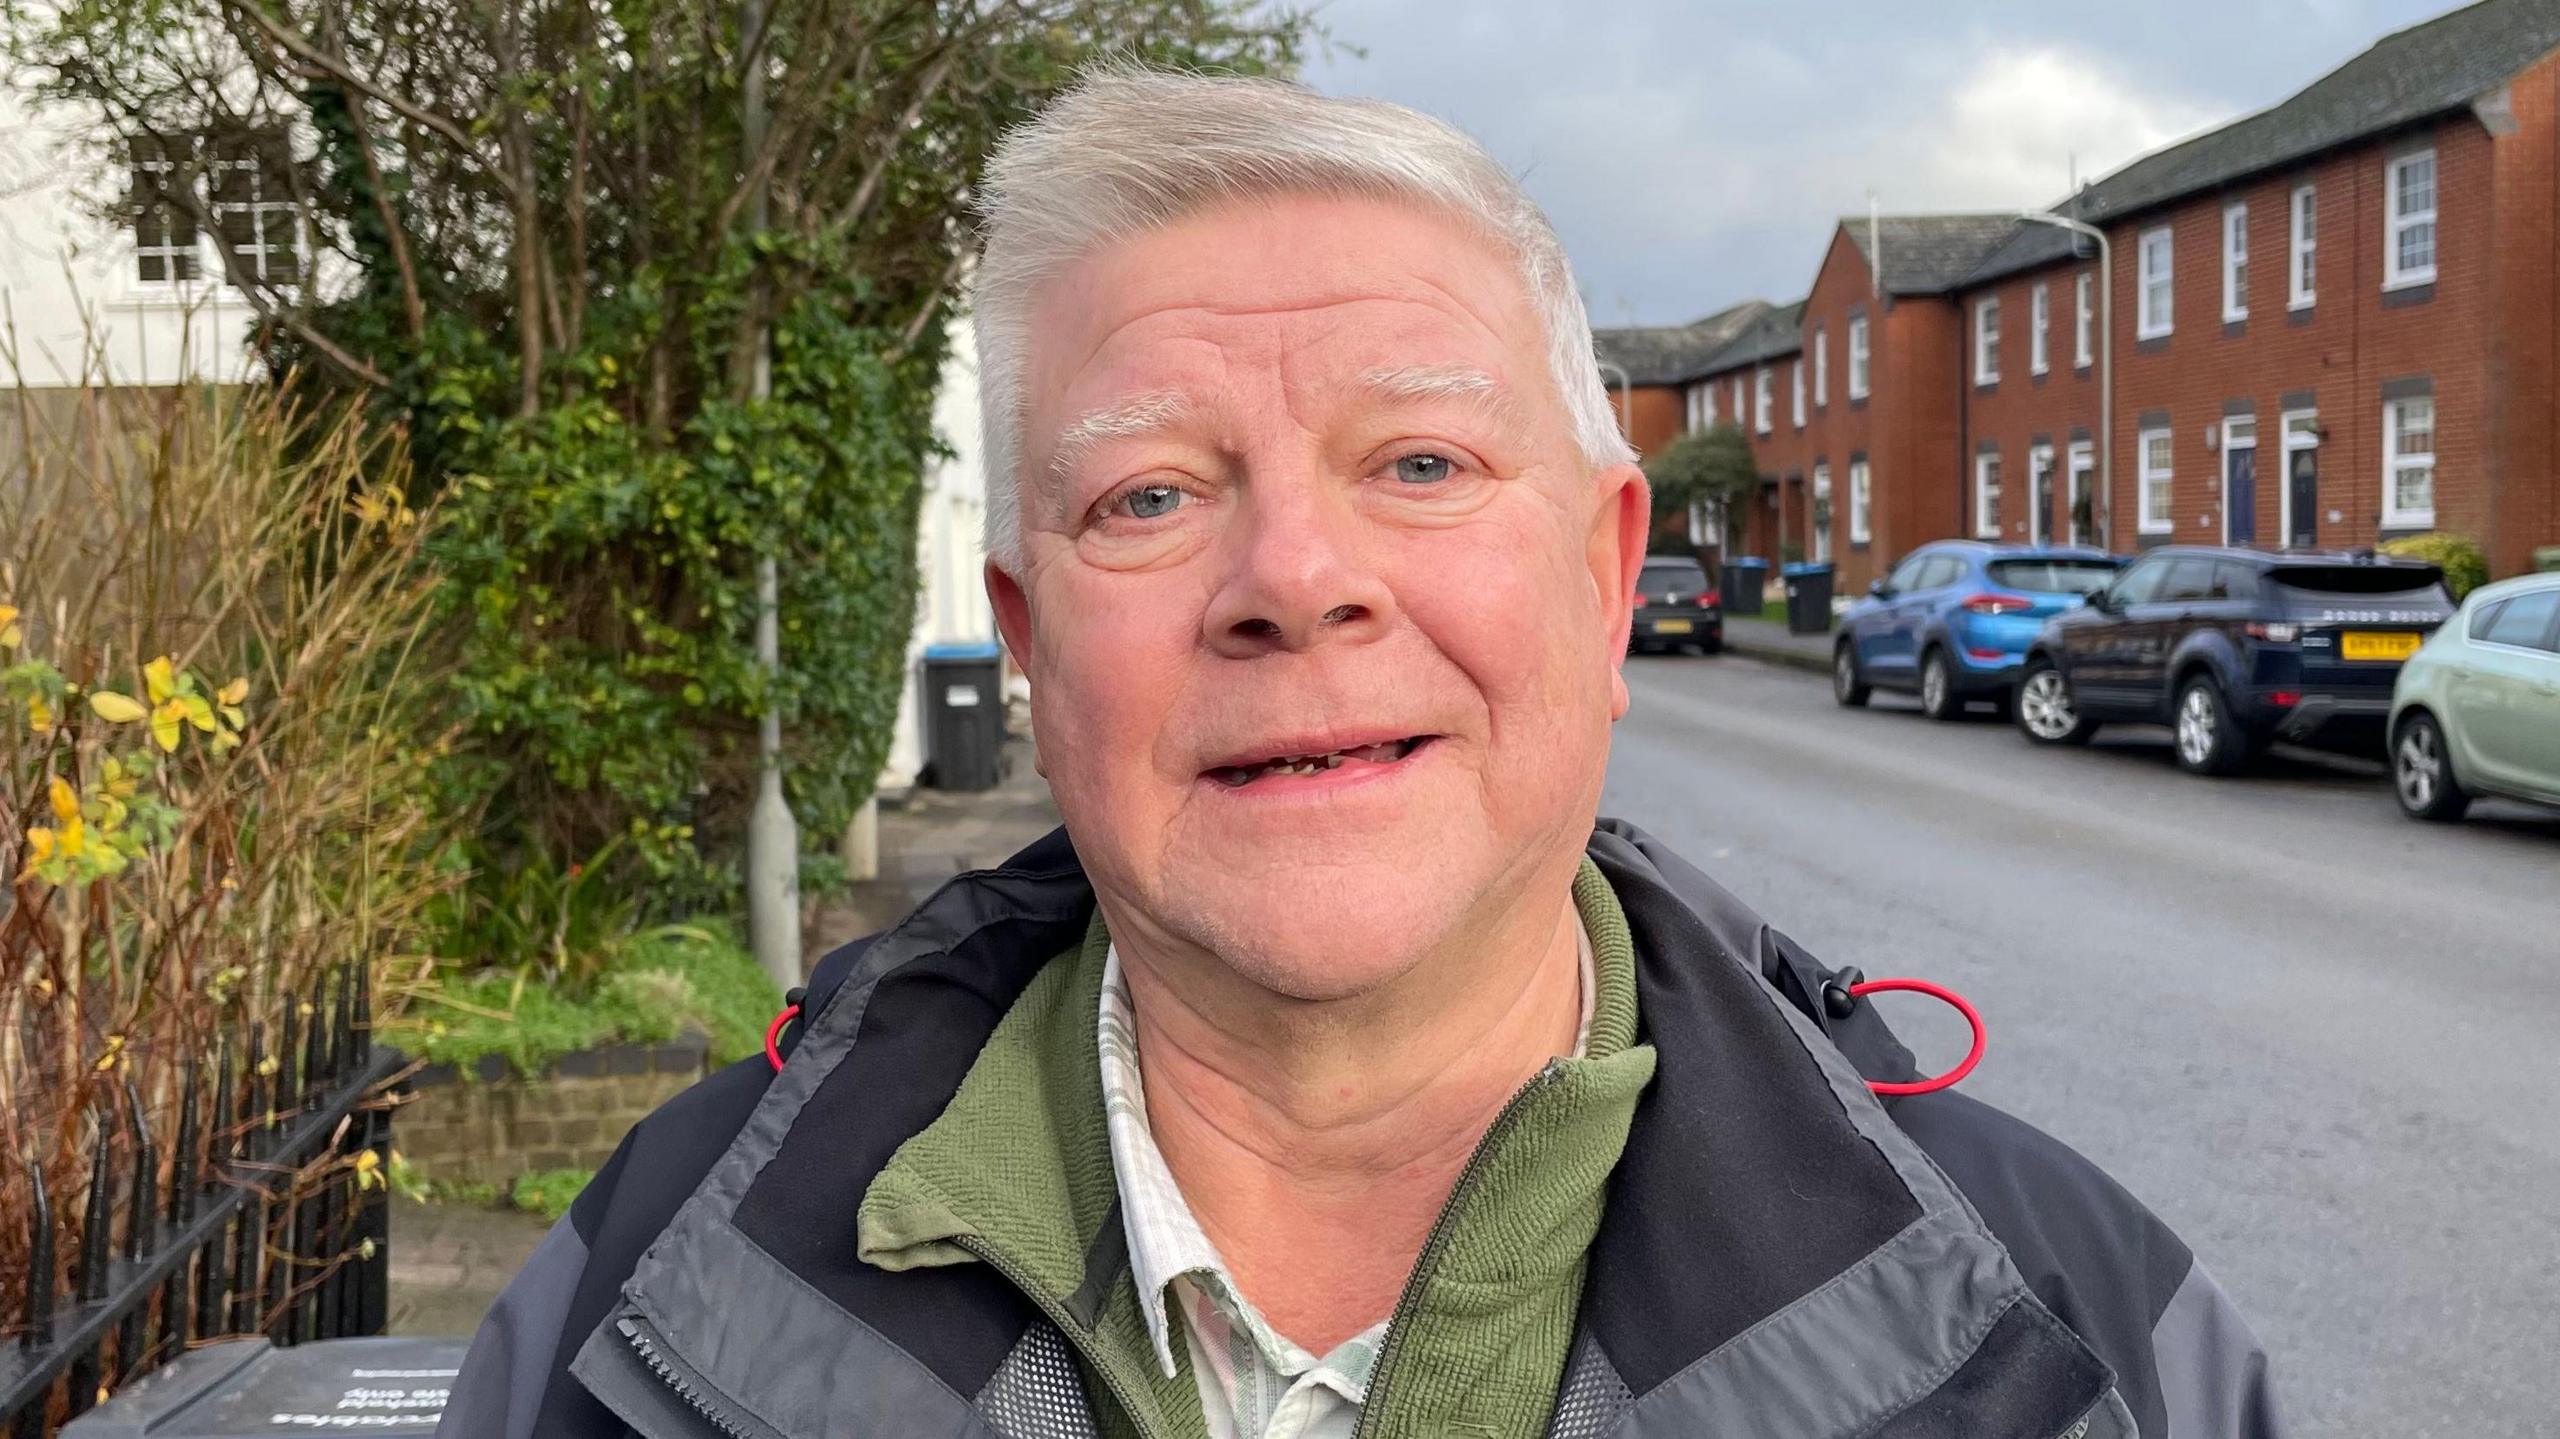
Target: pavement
[2316, 1036]
[1771, 640]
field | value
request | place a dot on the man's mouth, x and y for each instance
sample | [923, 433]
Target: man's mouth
[1309, 765]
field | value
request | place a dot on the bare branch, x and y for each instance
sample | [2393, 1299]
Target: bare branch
[335, 69]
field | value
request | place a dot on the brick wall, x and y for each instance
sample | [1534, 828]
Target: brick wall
[2023, 415]
[1843, 429]
[2338, 355]
[492, 1125]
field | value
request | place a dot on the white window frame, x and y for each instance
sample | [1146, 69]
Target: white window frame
[1861, 503]
[2084, 350]
[1986, 495]
[2393, 463]
[1741, 408]
[2039, 511]
[2395, 222]
[1707, 406]
[1821, 368]
[1763, 388]
[2155, 321]
[2164, 476]
[2302, 265]
[2080, 471]
[1861, 357]
[1816, 520]
[2039, 318]
[1986, 340]
[2239, 432]
[2235, 262]
[1795, 389]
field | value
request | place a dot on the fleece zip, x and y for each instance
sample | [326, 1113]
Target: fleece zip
[1016, 1173]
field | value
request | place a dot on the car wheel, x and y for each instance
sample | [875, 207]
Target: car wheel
[2209, 740]
[2045, 710]
[1848, 687]
[1939, 697]
[1712, 647]
[2422, 771]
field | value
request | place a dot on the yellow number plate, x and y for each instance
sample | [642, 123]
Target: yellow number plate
[2365, 645]
[1672, 627]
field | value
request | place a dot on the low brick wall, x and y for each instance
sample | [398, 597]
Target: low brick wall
[493, 1124]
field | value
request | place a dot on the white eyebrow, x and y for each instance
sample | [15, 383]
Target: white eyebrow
[1429, 382]
[1135, 415]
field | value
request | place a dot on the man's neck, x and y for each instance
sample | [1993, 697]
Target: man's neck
[1318, 1147]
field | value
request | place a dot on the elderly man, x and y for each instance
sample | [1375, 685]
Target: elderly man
[1334, 1072]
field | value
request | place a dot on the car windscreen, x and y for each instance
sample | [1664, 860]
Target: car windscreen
[1684, 578]
[2057, 577]
[2405, 585]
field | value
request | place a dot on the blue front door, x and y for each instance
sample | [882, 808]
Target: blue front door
[2241, 502]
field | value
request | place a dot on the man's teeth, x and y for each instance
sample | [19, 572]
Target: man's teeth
[1312, 764]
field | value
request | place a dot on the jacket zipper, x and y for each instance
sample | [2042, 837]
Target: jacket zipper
[1065, 1323]
[688, 1386]
[1425, 1263]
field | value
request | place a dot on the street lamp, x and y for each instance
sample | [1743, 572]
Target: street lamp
[1626, 399]
[2106, 364]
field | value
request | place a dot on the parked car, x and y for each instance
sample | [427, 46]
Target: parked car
[1953, 621]
[1675, 606]
[2233, 649]
[2477, 708]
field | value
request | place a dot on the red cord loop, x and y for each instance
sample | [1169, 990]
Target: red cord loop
[773, 1035]
[1981, 1035]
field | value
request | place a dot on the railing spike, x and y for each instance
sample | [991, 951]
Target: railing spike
[96, 1219]
[39, 1326]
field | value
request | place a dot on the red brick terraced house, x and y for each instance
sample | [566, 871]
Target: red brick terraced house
[1652, 374]
[2335, 321]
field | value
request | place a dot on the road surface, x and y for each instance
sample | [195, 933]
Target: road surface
[2321, 1040]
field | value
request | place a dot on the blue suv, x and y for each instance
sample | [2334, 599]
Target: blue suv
[1954, 620]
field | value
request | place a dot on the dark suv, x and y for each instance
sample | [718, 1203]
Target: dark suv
[2233, 649]
[1675, 606]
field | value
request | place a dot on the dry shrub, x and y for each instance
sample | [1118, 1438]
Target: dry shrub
[215, 717]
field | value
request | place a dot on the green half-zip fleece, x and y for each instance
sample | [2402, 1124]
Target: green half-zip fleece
[1017, 1173]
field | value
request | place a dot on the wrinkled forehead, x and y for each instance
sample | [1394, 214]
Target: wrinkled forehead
[1314, 295]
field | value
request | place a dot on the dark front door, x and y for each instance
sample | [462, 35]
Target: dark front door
[2044, 498]
[2305, 499]
[2241, 498]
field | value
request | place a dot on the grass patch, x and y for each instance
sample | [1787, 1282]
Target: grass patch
[549, 1192]
[660, 982]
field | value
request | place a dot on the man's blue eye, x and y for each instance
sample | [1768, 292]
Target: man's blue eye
[1149, 501]
[1422, 469]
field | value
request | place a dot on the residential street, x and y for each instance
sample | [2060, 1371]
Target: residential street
[2317, 1037]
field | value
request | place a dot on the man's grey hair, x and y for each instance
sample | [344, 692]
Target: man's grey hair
[1130, 149]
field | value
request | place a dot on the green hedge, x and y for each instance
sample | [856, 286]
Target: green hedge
[2459, 556]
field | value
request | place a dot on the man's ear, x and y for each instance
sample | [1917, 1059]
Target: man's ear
[1621, 524]
[1013, 618]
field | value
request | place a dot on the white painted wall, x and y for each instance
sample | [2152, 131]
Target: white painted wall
[68, 286]
[950, 550]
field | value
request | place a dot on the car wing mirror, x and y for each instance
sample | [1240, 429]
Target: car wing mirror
[1880, 589]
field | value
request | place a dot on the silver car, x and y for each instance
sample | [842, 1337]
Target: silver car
[2477, 708]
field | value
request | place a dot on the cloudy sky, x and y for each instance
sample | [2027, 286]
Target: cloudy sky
[1696, 152]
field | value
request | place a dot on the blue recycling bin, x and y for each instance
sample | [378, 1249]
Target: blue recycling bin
[1808, 598]
[1746, 579]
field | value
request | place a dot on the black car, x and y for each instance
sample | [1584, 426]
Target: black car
[1675, 606]
[2233, 649]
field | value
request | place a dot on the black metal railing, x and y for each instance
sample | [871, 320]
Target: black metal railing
[273, 1217]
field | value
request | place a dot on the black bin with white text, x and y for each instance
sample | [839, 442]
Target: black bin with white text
[249, 1389]
[963, 715]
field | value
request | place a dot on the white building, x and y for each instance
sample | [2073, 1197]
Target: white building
[133, 303]
[951, 553]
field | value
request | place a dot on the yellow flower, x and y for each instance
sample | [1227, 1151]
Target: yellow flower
[64, 799]
[166, 718]
[230, 697]
[10, 634]
[39, 715]
[116, 780]
[162, 677]
[115, 708]
[39, 847]
[198, 712]
[368, 1170]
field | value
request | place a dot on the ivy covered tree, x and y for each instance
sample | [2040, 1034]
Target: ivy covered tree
[1710, 467]
[548, 239]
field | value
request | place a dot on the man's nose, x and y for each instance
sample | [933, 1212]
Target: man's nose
[1297, 576]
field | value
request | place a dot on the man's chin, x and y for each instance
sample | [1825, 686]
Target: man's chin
[1322, 937]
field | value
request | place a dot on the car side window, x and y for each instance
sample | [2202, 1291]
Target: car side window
[2485, 617]
[1941, 571]
[1906, 576]
[2188, 580]
[2233, 580]
[2141, 582]
[2523, 621]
